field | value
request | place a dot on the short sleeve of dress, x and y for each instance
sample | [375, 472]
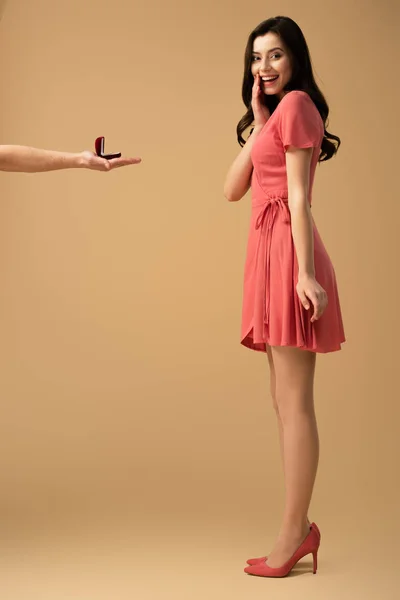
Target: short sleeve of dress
[300, 124]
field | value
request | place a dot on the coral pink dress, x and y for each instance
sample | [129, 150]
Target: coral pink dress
[272, 312]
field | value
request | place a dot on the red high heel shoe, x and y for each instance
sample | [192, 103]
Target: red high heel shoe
[256, 561]
[309, 546]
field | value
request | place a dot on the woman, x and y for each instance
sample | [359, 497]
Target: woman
[288, 274]
[33, 160]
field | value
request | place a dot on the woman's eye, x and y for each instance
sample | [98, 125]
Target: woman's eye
[276, 56]
[255, 58]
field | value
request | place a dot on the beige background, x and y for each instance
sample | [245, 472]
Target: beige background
[138, 449]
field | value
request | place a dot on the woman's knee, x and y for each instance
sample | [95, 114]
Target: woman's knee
[294, 404]
[275, 404]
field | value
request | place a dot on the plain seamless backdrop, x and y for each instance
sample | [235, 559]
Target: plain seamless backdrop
[124, 389]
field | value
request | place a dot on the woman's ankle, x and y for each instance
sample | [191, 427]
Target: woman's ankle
[295, 527]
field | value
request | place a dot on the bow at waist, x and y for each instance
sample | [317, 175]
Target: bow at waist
[269, 207]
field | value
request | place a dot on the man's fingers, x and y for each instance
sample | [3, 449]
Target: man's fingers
[124, 162]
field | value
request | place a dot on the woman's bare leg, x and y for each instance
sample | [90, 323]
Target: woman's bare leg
[272, 380]
[294, 385]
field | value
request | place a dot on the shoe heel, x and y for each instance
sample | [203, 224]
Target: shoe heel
[315, 561]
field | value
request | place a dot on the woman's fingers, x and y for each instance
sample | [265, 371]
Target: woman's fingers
[255, 88]
[312, 294]
[304, 300]
[320, 301]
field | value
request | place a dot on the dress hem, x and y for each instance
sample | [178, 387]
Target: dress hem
[248, 342]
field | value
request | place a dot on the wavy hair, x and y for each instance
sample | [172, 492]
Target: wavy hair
[302, 79]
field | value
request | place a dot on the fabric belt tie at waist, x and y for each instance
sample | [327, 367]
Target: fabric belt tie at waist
[265, 221]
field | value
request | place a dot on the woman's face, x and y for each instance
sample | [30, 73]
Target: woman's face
[272, 62]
